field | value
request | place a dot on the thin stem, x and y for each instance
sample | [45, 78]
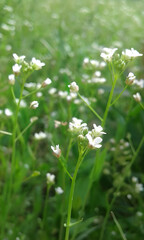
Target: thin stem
[35, 91]
[71, 197]
[141, 105]
[118, 226]
[119, 95]
[6, 133]
[64, 186]
[9, 184]
[96, 114]
[24, 130]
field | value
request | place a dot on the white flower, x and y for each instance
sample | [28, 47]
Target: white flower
[76, 126]
[34, 104]
[108, 53]
[63, 94]
[46, 82]
[22, 103]
[73, 87]
[137, 97]
[40, 135]
[94, 142]
[50, 178]
[18, 59]
[16, 68]
[33, 119]
[36, 64]
[11, 79]
[130, 78]
[97, 131]
[56, 151]
[8, 112]
[139, 187]
[130, 54]
[59, 190]
[52, 91]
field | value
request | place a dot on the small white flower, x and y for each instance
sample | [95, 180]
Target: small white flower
[130, 54]
[59, 190]
[18, 59]
[33, 119]
[40, 135]
[97, 131]
[139, 187]
[22, 103]
[52, 91]
[137, 97]
[36, 64]
[130, 78]
[108, 53]
[56, 151]
[47, 82]
[34, 104]
[50, 178]
[39, 94]
[11, 79]
[73, 87]
[16, 68]
[76, 126]
[94, 142]
[8, 112]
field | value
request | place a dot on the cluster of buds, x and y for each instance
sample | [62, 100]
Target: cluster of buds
[120, 61]
[22, 66]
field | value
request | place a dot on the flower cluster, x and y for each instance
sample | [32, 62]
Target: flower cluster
[108, 53]
[90, 138]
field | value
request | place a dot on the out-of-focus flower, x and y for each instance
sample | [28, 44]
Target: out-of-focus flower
[74, 88]
[137, 97]
[76, 126]
[130, 78]
[50, 178]
[11, 79]
[130, 54]
[59, 190]
[36, 64]
[108, 53]
[34, 104]
[56, 151]
[16, 68]
[18, 59]
[40, 135]
[8, 112]
[46, 82]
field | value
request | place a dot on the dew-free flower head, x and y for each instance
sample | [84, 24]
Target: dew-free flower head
[11, 79]
[56, 151]
[74, 88]
[130, 54]
[50, 178]
[97, 131]
[130, 78]
[107, 54]
[77, 127]
[59, 190]
[34, 104]
[93, 142]
[18, 59]
[40, 135]
[137, 97]
[36, 64]
[46, 82]
[16, 68]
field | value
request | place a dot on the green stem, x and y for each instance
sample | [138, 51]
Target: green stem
[118, 226]
[9, 186]
[141, 105]
[64, 187]
[96, 114]
[119, 95]
[71, 197]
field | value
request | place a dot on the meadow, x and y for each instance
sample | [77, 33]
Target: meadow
[71, 120]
